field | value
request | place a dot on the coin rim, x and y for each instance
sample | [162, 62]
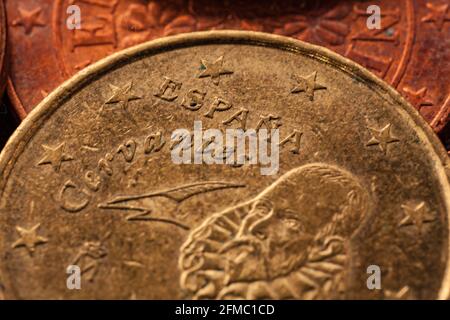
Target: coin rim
[20, 138]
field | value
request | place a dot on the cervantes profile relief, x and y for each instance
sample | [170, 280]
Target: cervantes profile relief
[292, 241]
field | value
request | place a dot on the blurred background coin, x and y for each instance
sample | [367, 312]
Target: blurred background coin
[2, 47]
[6, 119]
[410, 50]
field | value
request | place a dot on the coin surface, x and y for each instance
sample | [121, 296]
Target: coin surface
[4, 116]
[409, 51]
[89, 180]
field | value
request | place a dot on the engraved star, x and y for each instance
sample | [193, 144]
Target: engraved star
[122, 94]
[55, 156]
[417, 214]
[29, 19]
[307, 84]
[437, 14]
[382, 137]
[214, 70]
[29, 238]
[418, 98]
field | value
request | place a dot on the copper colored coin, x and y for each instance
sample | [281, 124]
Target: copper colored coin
[411, 51]
[4, 112]
[8, 121]
[2, 50]
[90, 180]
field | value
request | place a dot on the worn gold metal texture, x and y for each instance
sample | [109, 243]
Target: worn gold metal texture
[407, 50]
[88, 180]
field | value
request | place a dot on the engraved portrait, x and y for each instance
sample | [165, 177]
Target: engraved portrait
[292, 241]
